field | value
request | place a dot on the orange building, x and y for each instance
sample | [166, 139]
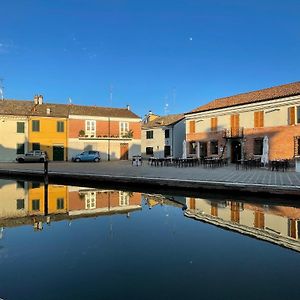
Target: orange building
[234, 127]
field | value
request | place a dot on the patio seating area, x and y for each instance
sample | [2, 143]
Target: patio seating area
[207, 162]
[217, 162]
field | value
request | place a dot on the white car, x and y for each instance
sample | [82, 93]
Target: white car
[32, 156]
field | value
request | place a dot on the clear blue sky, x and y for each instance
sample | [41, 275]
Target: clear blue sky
[181, 53]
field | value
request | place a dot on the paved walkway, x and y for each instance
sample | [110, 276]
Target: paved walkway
[226, 176]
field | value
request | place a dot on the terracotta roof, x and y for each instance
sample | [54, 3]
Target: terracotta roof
[28, 108]
[164, 121]
[275, 92]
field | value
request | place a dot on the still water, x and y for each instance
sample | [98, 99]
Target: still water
[87, 243]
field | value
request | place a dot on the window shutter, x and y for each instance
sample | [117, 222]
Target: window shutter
[261, 118]
[291, 112]
[192, 126]
[256, 113]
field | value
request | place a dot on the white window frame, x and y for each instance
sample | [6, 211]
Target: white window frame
[124, 199]
[90, 128]
[124, 128]
[90, 200]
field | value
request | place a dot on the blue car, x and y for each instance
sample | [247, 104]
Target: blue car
[87, 156]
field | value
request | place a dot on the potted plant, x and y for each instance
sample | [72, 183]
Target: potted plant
[81, 133]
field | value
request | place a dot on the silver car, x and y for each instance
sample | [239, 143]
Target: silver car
[32, 156]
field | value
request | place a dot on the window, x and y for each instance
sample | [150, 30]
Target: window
[149, 150]
[60, 126]
[20, 127]
[192, 126]
[124, 128]
[167, 133]
[214, 124]
[90, 200]
[60, 203]
[258, 146]
[90, 127]
[259, 119]
[149, 134]
[35, 185]
[36, 204]
[20, 148]
[20, 184]
[291, 115]
[123, 199]
[36, 146]
[298, 114]
[36, 125]
[214, 147]
[20, 204]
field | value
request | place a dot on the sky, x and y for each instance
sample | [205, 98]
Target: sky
[165, 56]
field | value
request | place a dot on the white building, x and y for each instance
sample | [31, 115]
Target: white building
[163, 136]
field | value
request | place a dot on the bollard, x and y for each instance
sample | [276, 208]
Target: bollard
[46, 171]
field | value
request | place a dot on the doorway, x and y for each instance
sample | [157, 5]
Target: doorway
[124, 151]
[167, 151]
[58, 153]
[203, 149]
[236, 151]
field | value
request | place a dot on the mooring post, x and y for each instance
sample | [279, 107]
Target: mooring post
[46, 171]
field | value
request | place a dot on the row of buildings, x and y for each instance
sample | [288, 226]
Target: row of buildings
[231, 127]
[65, 129]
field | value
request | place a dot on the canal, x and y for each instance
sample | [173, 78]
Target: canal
[69, 242]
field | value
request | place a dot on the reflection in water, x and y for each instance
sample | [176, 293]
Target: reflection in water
[156, 253]
[33, 203]
[28, 203]
[276, 224]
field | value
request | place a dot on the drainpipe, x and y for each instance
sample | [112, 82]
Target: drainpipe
[108, 148]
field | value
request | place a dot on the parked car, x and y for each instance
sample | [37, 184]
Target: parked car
[32, 156]
[87, 156]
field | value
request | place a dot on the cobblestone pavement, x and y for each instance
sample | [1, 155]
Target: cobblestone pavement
[198, 173]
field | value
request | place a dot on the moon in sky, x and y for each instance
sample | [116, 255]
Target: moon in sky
[190, 38]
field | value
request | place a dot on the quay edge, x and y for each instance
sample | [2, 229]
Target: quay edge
[139, 183]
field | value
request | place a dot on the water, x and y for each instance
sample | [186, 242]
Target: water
[86, 243]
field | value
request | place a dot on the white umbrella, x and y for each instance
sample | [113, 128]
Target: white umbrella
[184, 149]
[265, 154]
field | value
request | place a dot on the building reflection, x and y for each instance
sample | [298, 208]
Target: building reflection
[34, 203]
[276, 224]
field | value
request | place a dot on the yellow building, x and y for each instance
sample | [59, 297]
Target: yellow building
[57, 199]
[48, 134]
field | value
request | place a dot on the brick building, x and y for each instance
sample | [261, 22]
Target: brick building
[234, 127]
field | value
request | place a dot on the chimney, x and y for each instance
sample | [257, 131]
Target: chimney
[40, 99]
[48, 111]
[150, 112]
[36, 99]
[128, 107]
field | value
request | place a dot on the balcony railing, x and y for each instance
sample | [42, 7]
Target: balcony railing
[233, 133]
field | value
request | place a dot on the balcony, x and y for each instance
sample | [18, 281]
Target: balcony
[233, 133]
[112, 137]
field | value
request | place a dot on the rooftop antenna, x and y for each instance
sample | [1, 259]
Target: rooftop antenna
[1, 89]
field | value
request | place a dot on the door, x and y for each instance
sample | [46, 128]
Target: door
[124, 151]
[58, 153]
[203, 149]
[167, 151]
[236, 151]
